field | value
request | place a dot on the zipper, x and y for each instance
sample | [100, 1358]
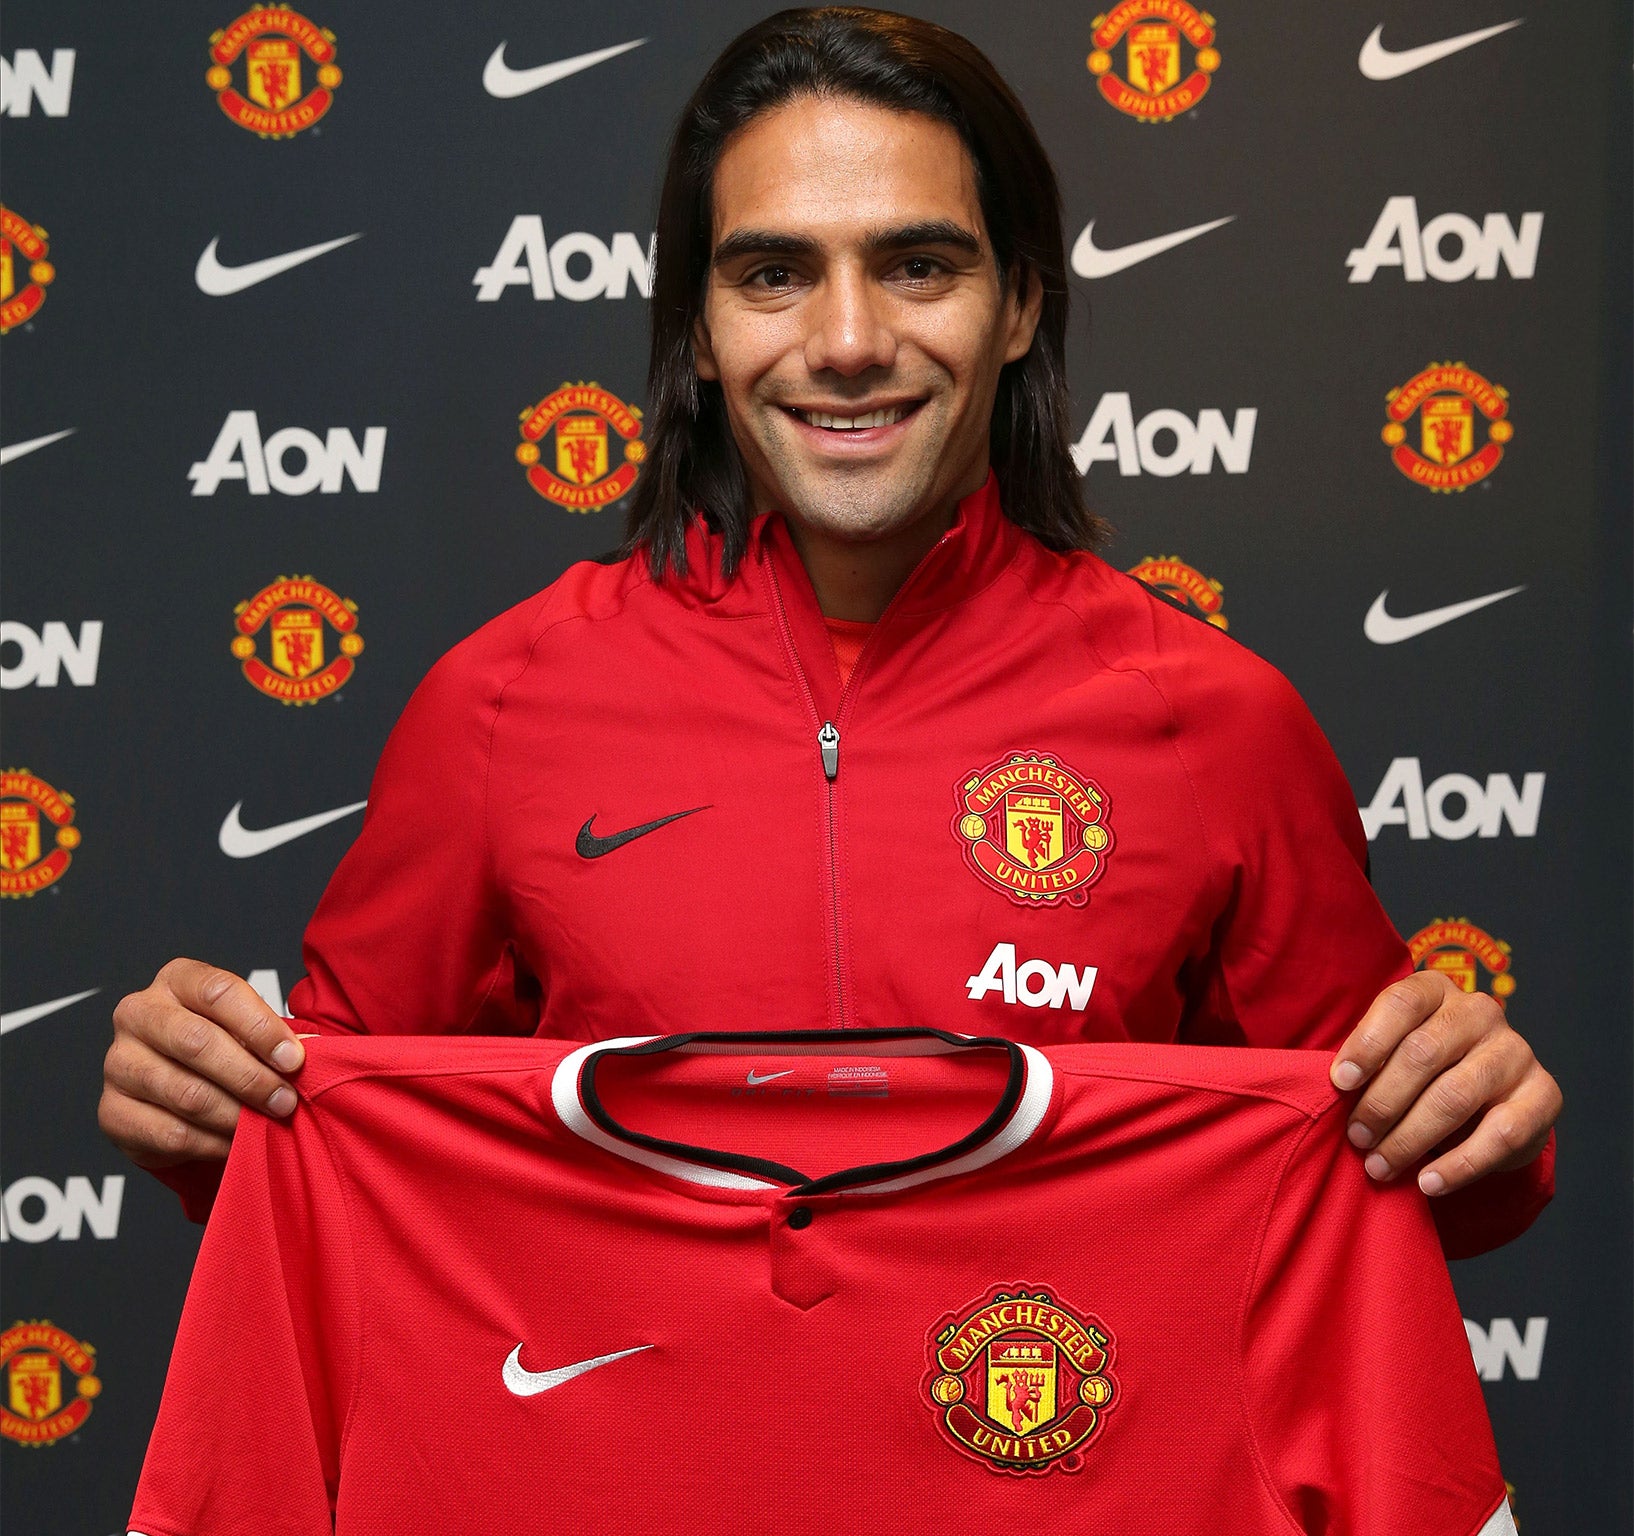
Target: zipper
[828, 751]
[828, 747]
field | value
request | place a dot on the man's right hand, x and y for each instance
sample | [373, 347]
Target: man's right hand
[187, 1052]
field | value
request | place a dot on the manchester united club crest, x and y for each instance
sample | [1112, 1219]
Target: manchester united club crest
[1457, 948]
[1186, 584]
[299, 616]
[1447, 398]
[37, 833]
[1156, 36]
[271, 94]
[51, 1382]
[25, 274]
[1034, 828]
[595, 450]
[1020, 1381]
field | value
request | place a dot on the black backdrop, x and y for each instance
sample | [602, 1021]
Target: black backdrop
[120, 583]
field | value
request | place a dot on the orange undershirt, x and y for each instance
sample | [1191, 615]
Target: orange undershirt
[849, 637]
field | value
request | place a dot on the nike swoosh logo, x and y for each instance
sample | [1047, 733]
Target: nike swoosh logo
[1382, 629]
[1380, 63]
[589, 846]
[240, 842]
[526, 1383]
[1091, 262]
[219, 280]
[17, 450]
[499, 79]
[21, 1016]
[755, 1079]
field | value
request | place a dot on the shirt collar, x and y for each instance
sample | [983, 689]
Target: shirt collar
[1016, 1116]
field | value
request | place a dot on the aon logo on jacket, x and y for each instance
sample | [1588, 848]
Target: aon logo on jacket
[1033, 983]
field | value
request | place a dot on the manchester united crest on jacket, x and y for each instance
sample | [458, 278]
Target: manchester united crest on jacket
[1034, 829]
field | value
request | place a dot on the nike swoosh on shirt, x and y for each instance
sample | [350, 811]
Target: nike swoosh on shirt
[1091, 262]
[1383, 629]
[241, 842]
[218, 280]
[499, 79]
[526, 1383]
[755, 1079]
[21, 1016]
[18, 450]
[1380, 63]
[589, 846]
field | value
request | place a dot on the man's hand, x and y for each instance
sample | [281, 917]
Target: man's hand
[186, 1053]
[1436, 1059]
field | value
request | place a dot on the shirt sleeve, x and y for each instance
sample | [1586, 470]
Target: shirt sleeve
[1302, 946]
[247, 1438]
[1364, 1407]
[411, 936]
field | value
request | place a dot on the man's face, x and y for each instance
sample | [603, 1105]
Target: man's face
[855, 318]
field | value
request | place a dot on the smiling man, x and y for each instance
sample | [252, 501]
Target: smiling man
[860, 731]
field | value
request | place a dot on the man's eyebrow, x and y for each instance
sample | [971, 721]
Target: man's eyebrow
[926, 232]
[760, 242]
[766, 242]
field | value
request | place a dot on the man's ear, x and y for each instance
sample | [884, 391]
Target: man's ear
[1023, 304]
[703, 354]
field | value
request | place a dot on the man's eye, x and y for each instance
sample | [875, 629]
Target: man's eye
[771, 277]
[919, 269]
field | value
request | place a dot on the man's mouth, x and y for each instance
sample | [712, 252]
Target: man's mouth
[883, 416]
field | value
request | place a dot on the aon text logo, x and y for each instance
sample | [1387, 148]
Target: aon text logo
[34, 1210]
[318, 463]
[1034, 983]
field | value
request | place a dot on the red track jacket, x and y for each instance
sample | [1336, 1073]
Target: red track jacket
[1047, 805]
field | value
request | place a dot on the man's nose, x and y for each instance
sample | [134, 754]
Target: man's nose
[850, 330]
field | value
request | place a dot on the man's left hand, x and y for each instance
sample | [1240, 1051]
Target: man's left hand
[1435, 1059]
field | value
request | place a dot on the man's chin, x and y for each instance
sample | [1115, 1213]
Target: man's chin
[860, 504]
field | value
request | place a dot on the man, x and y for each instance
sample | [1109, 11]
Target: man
[875, 739]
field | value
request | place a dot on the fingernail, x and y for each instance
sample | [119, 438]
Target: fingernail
[1359, 1134]
[1376, 1167]
[1346, 1076]
[282, 1101]
[1432, 1183]
[287, 1056]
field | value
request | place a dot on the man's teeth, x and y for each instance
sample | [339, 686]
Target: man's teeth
[883, 418]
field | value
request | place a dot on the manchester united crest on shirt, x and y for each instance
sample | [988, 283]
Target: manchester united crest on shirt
[24, 271]
[1021, 1381]
[1158, 82]
[40, 1406]
[597, 443]
[297, 614]
[276, 48]
[1453, 403]
[37, 833]
[1034, 828]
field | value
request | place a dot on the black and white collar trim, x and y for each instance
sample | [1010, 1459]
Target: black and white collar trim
[1017, 1115]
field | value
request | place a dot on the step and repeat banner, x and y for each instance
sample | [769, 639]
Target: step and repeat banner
[324, 340]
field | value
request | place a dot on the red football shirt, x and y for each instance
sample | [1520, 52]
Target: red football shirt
[830, 1282]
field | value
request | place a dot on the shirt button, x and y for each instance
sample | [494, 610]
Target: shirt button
[800, 1217]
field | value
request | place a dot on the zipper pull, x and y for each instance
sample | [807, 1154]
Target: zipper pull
[828, 742]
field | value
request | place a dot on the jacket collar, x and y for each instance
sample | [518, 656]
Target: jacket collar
[978, 545]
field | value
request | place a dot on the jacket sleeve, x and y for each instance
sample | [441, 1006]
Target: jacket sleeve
[1302, 946]
[247, 1438]
[411, 935]
[1351, 1321]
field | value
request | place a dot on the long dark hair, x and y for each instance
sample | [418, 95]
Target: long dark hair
[906, 65]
